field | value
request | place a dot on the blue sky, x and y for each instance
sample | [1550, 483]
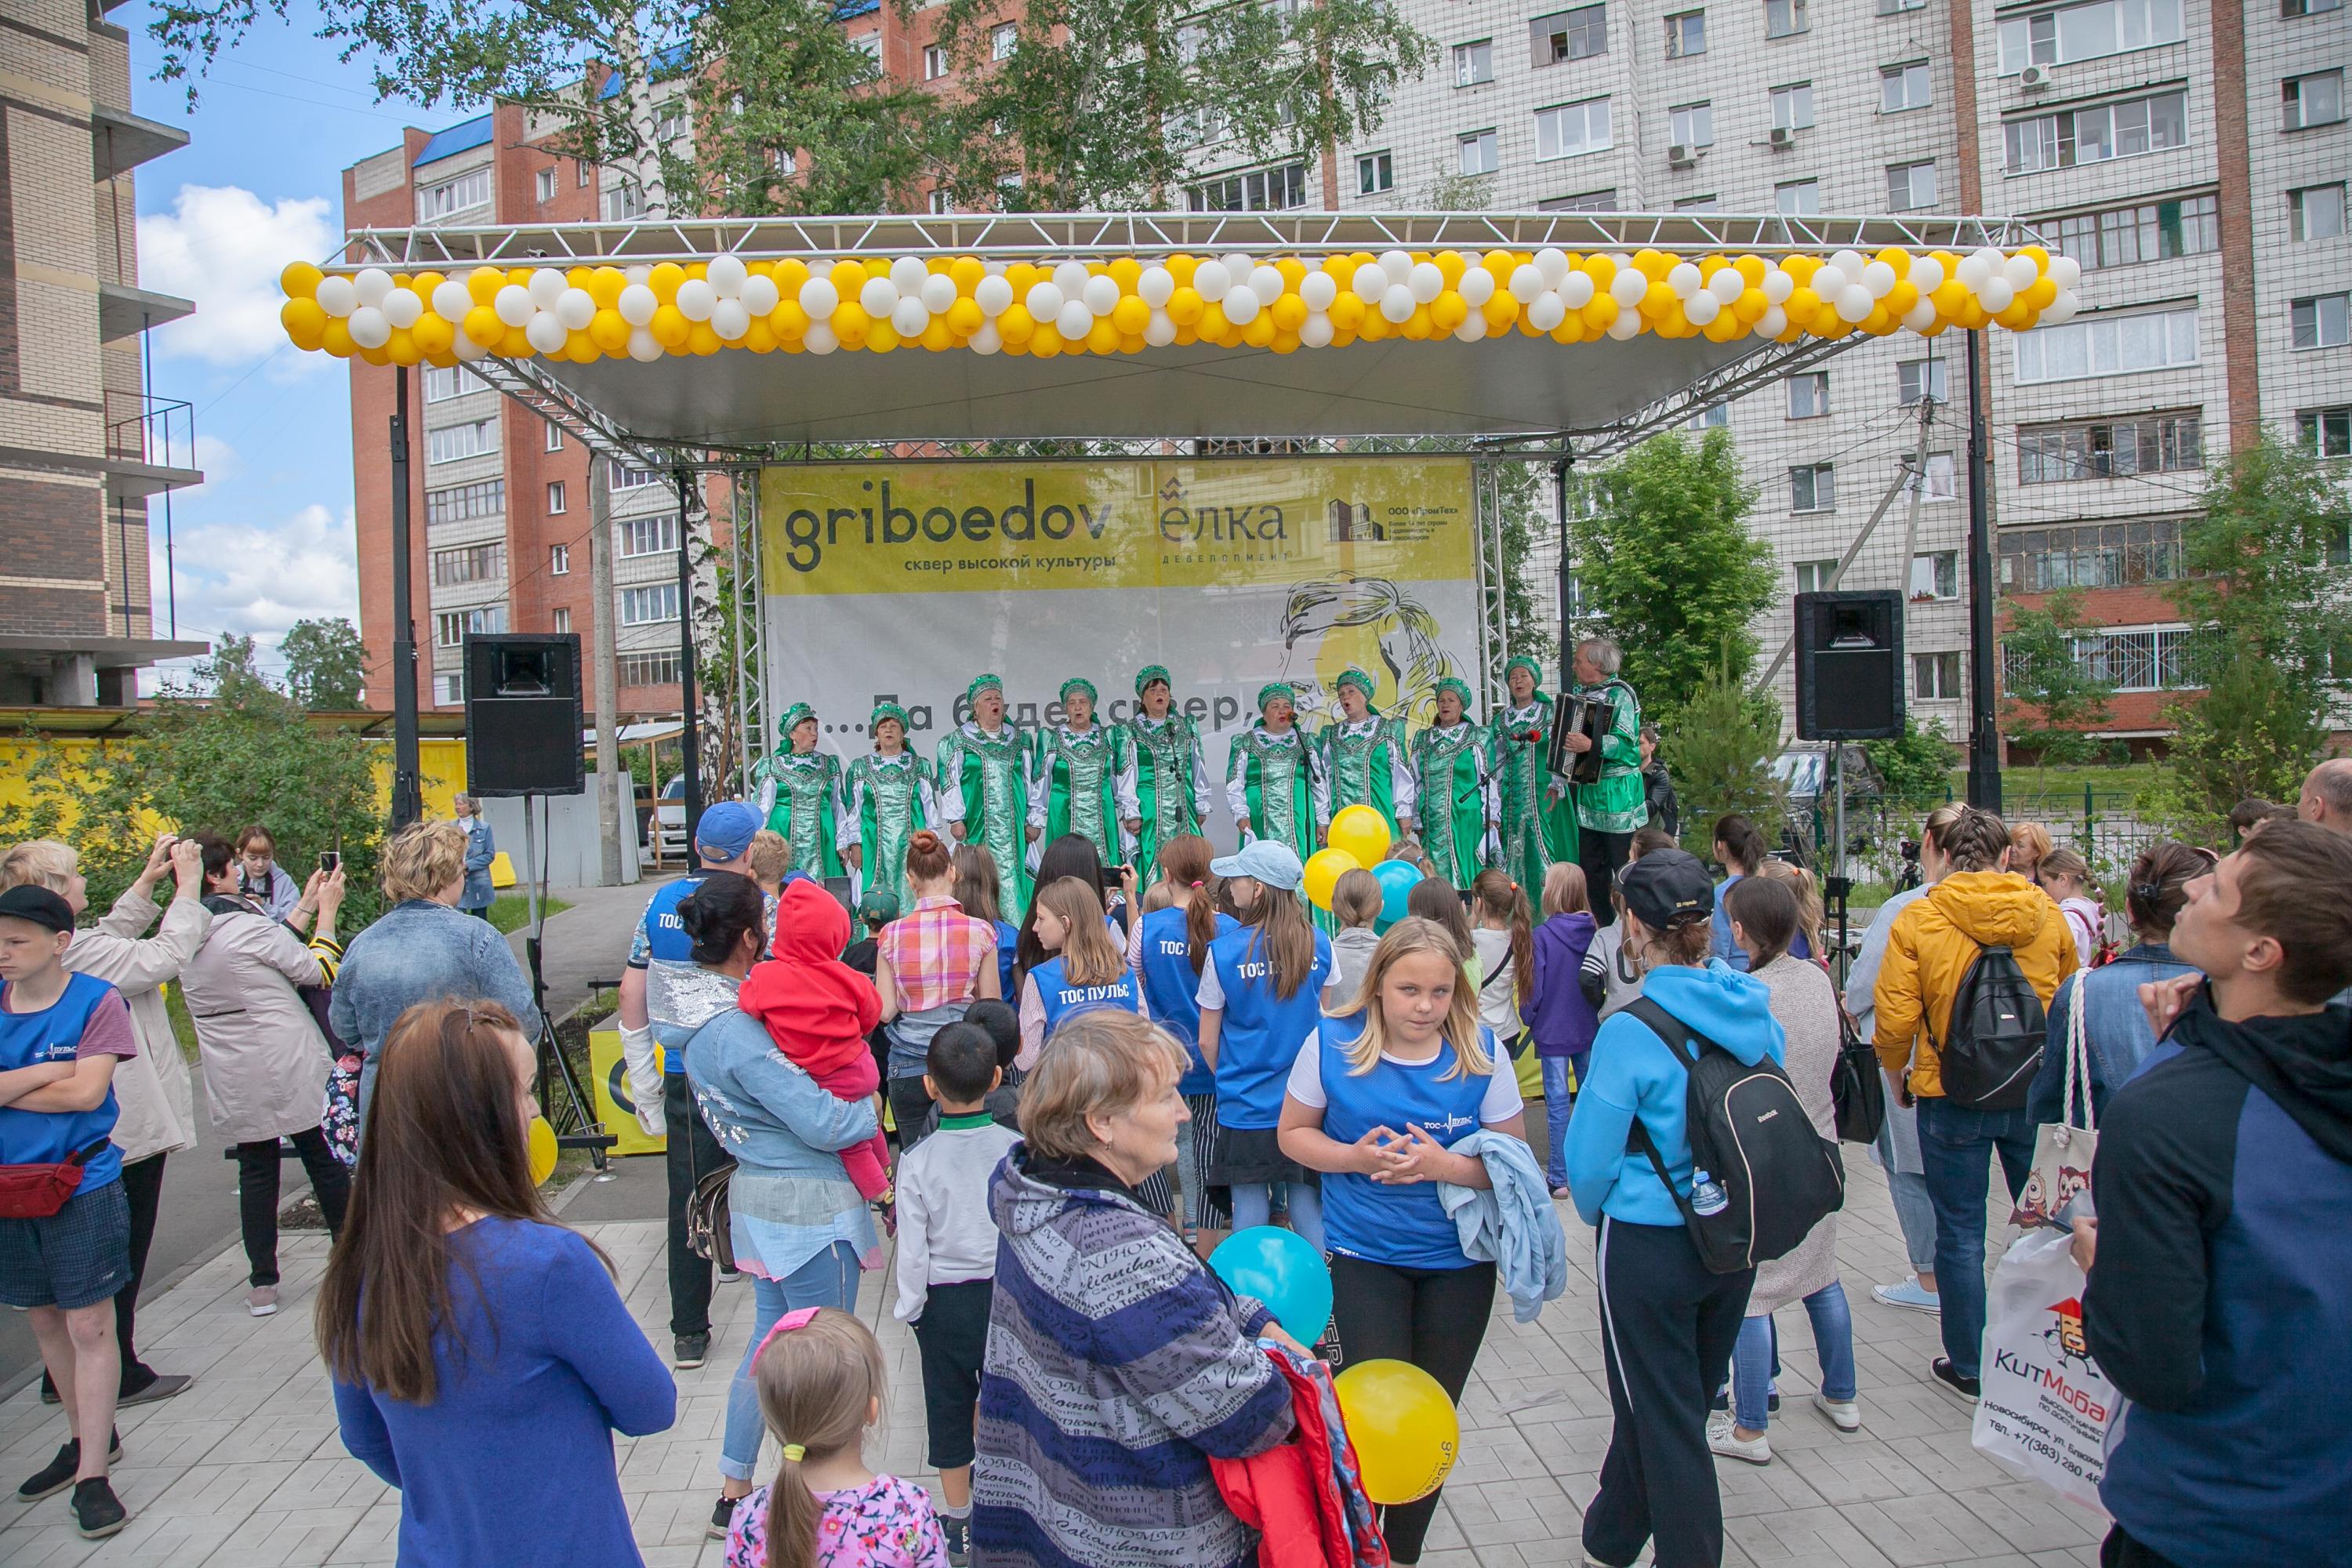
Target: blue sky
[266, 540]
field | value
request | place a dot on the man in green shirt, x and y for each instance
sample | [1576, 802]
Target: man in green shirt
[1612, 809]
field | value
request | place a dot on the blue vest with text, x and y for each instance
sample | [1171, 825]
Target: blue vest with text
[1174, 991]
[53, 1034]
[1063, 998]
[1406, 1225]
[1261, 1033]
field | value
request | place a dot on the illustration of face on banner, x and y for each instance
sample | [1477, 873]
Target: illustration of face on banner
[903, 582]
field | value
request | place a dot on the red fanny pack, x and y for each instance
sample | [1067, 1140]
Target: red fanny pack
[37, 1192]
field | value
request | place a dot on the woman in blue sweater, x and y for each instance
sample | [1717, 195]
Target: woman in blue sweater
[492, 1361]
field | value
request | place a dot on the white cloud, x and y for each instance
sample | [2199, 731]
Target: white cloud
[223, 247]
[218, 461]
[257, 579]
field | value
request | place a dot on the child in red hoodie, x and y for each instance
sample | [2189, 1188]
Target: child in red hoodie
[818, 1010]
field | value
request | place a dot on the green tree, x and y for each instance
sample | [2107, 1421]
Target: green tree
[1916, 766]
[2051, 699]
[1721, 756]
[326, 664]
[1666, 564]
[1524, 492]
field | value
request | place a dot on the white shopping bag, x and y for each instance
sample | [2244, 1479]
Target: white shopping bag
[2046, 1406]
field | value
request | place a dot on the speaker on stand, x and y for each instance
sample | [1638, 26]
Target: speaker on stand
[1849, 687]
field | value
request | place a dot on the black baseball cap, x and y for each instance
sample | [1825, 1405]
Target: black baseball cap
[38, 905]
[1667, 888]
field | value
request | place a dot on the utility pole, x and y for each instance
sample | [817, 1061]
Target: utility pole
[611, 777]
[1984, 723]
[1559, 472]
[690, 736]
[407, 782]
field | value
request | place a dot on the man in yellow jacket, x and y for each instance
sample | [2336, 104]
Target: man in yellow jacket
[1929, 951]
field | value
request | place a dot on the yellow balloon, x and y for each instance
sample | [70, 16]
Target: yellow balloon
[299, 281]
[664, 281]
[1405, 1431]
[1360, 832]
[1323, 870]
[669, 327]
[336, 338]
[542, 1151]
[965, 317]
[401, 348]
[432, 335]
[303, 321]
[482, 325]
[610, 331]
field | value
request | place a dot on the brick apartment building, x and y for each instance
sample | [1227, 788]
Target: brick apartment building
[84, 449]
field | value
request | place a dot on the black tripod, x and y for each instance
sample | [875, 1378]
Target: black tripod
[576, 1124]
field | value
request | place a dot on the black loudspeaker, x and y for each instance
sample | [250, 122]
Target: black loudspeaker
[523, 715]
[1850, 665]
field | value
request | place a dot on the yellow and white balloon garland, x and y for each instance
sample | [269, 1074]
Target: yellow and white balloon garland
[1126, 305]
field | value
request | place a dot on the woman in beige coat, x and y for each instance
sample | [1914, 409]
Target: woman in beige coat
[1764, 917]
[265, 1063]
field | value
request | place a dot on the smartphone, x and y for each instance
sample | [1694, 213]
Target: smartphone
[328, 859]
[1116, 873]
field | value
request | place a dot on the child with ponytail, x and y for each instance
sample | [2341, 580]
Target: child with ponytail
[1505, 942]
[1167, 950]
[820, 1379]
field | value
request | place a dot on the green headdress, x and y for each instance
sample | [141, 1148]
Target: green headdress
[1272, 689]
[1535, 670]
[793, 716]
[1078, 683]
[1351, 676]
[886, 711]
[1149, 673]
[981, 683]
[1458, 687]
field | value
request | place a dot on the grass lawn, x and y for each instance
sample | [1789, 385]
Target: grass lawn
[511, 912]
[2129, 779]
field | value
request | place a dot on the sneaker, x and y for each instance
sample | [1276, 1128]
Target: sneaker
[98, 1512]
[1561, 1194]
[1718, 1424]
[730, 1275]
[1772, 1403]
[957, 1533]
[1964, 1389]
[1843, 1413]
[722, 1517]
[261, 1301]
[688, 1352]
[59, 1473]
[1910, 1294]
[163, 1385]
[1724, 1440]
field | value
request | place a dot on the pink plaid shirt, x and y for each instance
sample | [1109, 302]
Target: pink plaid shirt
[936, 952]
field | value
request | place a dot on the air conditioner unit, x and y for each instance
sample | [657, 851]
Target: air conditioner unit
[1783, 136]
[1679, 156]
[2035, 76]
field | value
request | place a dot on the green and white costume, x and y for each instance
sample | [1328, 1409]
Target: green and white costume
[1536, 825]
[800, 796]
[885, 798]
[1083, 782]
[1455, 802]
[1367, 762]
[982, 778]
[1275, 782]
[1171, 777]
[1616, 804]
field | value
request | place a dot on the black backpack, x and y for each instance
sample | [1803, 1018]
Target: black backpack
[1992, 1046]
[1770, 1178]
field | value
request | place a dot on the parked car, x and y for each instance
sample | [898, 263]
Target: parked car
[669, 811]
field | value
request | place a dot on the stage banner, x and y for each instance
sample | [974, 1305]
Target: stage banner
[901, 583]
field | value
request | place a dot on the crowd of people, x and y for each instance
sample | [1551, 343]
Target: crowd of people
[1059, 1116]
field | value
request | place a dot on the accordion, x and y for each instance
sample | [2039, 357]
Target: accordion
[1587, 716]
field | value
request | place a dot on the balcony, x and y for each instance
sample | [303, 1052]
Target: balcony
[120, 141]
[151, 446]
[125, 310]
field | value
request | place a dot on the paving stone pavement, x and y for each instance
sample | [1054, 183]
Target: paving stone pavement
[245, 1470]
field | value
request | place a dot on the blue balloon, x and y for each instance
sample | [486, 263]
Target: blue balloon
[1283, 1270]
[1396, 878]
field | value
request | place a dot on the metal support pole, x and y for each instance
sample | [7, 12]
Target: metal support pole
[1559, 505]
[690, 740]
[1984, 723]
[1839, 886]
[407, 782]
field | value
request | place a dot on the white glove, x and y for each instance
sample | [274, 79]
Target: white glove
[645, 1086]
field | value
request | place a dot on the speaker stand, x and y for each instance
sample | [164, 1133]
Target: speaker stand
[1838, 885]
[576, 1126]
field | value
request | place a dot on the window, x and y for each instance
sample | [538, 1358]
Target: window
[2324, 321]
[1685, 34]
[623, 201]
[1261, 190]
[1809, 395]
[2153, 231]
[623, 478]
[1375, 172]
[1813, 577]
[462, 503]
[1919, 378]
[1940, 476]
[1796, 198]
[1571, 34]
[646, 535]
[2152, 659]
[1589, 202]
[2153, 444]
[562, 619]
[1001, 40]
[942, 203]
[1812, 488]
[2108, 343]
[2326, 431]
[1698, 205]
[2313, 99]
[1782, 17]
[2093, 135]
[547, 184]
[2316, 211]
[1691, 125]
[1936, 677]
[450, 198]
[1474, 63]
[935, 63]
[450, 690]
[441, 383]
[2090, 555]
[451, 627]
[1479, 155]
[644, 606]
[1910, 186]
[473, 439]
[1714, 416]
[1793, 106]
[669, 122]
[1897, 7]
[584, 173]
[559, 560]
[2291, 10]
[1572, 128]
[649, 669]
[2086, 31]
[1909, 86]
[554, 496]
[554, 437]
[474, 564]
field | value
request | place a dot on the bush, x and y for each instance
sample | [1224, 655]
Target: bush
[1917, 767]
[1726, 739]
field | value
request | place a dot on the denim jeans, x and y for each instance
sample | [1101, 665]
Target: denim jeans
[828, 1280]
[1953, 1142]
[1757, 1356]
[1559, 1073]
[1915, 1212]
[1254, 1205]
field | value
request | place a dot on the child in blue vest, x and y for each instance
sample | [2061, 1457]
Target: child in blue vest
[1261, 997]
[1167, 951]
[1376, 1102]
[63, 1254]
[1084, 967]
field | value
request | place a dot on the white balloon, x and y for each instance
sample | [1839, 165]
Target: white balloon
[994, 295]
[547, 286]
[938, 292]
[1397, 264]
[760, 295]
[1973, 270]
[820, 300]
[987, 341]
[1370, 283]
[1397, 304]
[1161, 330]
[695, 299]
[1315, 331]
[1473, 328]
[1043, 300]
[1996, 296]
[1425, 281]
[909, 317]
[1212, 281]
[730, 320]
[1926, 274]
[1070, 278]
[644, 346]
[1702, 308]
[1546, 312]
[638, 303]
[1726, 285]
[1241, 306]
[1101, 293]
[1991, 258]
[369, 329]
[640, 273]
[1627, 324]
[513, 305]
[1552, 262]
[727, 275]
[1075, 321]
[2062, 309]
[1477, 287]
[2020, 272]
[1878, 278]
[1830, 282]
[1683, 279]
[1772, 323]
[2065, 272]
[373, 283]
[1576, 289]
[451, 301]
[878, 296]
[1266, 282]
[1316, 292]
[1526, 283]
[545, 333]
[908, 274]
[1628, 287]
[1238, 264]
[1777, 286]
[1154, 288]
[820, 339]
[338, 296]
[1853, 302]
[467, 349]
[1849, 262]
[576, 308]
[1921, 316]
[401, 308]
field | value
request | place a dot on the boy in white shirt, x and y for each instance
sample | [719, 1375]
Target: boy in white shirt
[946, 1255]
